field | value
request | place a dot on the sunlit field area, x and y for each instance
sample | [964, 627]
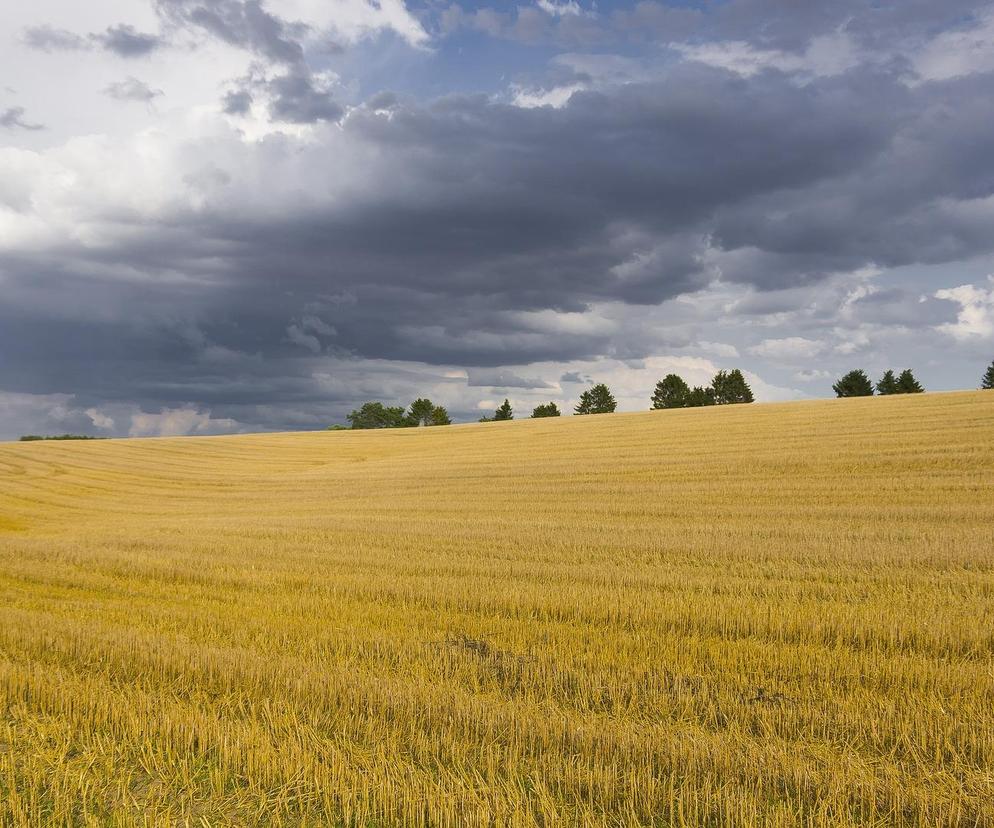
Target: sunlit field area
[740, 615]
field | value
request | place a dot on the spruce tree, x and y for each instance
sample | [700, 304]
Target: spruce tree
[907, 384]
[504, 412]
[671, 392]
[597, 400]
[699, 397]
[730, 388]
[887, 384]
[420, 413]
[439, 416]
[854, 384]
[546, 410]
[987, 383]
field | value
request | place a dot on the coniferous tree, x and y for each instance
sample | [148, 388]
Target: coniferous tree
[907, 384]
[546, 410]
[887, 384]
[699, 397]
[420, 413]
[671, 392]
[854, 384]
[730, 388]
[596, 400]
[987, 383]
[504, 412]
[439, 416]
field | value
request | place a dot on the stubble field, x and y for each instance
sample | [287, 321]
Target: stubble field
[749, 615]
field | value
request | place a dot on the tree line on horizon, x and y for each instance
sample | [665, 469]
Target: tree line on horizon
[726, 388]
[857, 384]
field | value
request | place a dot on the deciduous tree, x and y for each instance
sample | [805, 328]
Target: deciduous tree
[377, 415]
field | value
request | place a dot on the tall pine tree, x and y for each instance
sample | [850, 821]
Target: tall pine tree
[907, 384]
[888, 383]
[730, 388]
[597, 400]
[987, 384]
[504, 411]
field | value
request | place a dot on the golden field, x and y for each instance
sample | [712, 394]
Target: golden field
[748, 615]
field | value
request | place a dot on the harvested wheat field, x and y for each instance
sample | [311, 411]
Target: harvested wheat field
[745, 615]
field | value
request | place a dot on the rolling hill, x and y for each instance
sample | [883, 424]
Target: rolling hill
[773, 614]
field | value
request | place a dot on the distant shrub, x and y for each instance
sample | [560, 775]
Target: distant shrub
[28, 438]
[546, 410]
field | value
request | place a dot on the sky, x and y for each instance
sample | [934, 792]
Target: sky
[220, 216]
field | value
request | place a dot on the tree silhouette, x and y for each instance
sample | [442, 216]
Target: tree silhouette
[597, 400]
[888, 383]
[671, 392]
[504, 412]
[907, 384]
[987, 383]
[730, 388]
[854, 384]
[546, 410]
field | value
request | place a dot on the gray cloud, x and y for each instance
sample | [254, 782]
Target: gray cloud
[13, 117]
[242, 23]
[298, 98]
[50, 39]
[279, 281]
[502, 378]
[122, 40]
[132, 89]
[127, 42]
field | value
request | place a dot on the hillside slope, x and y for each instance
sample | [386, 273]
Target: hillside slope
[769, 614]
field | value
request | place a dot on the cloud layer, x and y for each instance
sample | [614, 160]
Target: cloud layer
[791, 192]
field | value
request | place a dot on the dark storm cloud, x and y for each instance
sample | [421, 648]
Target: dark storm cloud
[478, 234]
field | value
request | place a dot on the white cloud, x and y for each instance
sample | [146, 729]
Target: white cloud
[557, 97]
[788, 349]
[175, 422]
[353, 20]
[563, 8]
[99, 419]
[976, 315]
[956, 53]
[825, 56]
[719, 349]
[296, 335]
